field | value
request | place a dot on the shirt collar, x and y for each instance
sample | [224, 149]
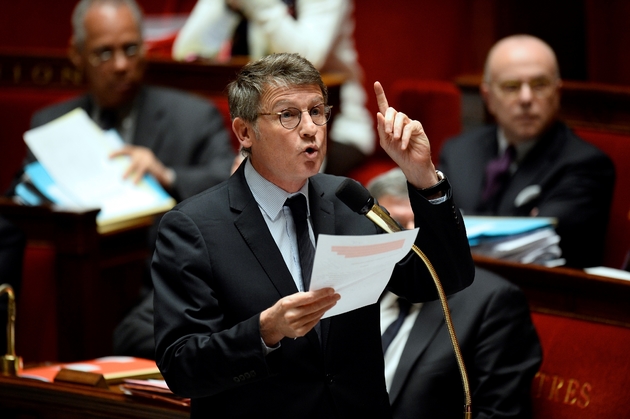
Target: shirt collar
[270, 198]
[521, 149]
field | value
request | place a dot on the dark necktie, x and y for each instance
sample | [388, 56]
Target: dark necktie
[297, 204]
[108, 119]
[392, 330]
[498, 173]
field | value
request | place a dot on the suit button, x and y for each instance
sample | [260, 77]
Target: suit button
[329, 378]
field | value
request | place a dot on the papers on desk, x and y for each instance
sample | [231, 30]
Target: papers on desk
[74, 171]
[113, 368]
[518, 239]
[154, 390]
[358, 267]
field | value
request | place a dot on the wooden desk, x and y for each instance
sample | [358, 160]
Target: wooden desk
[567, 292]
[24, 398]
[97, 276]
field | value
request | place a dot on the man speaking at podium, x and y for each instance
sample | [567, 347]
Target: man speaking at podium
[179, 139]
[237, 328]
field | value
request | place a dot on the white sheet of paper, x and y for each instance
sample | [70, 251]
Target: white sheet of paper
[358, 267]
[75, 152]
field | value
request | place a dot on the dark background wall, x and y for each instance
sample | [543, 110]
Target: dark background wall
[411, 38]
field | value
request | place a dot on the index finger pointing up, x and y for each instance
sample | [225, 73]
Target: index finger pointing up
[381, 99]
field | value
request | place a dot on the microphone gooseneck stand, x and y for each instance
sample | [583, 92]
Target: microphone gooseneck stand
[355, 196]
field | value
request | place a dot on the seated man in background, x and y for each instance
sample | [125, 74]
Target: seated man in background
[178, 138]
[529, 163]
[498, 341]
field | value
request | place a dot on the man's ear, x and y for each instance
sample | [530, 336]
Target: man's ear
[484, 90]
[75, 55]
[243, 131]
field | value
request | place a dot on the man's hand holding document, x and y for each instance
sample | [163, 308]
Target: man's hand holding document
[75, 154]
[358, 267]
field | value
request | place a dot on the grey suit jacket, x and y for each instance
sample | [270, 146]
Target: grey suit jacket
[501, 353]
[216, 268]
[185, 132]
[562, 176]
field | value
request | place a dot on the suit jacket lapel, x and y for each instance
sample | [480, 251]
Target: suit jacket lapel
[250, 223]
[485, 150]
[544, 154]
[429, 321]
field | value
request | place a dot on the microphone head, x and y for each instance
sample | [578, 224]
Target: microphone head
[355, 196]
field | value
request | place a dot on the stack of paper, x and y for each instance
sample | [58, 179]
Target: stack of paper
[113, 368]
[154, 390]
[74, 171]
[519, 239]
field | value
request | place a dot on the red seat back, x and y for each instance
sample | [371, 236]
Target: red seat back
[585, 371]
[617, 146]
[435, 103]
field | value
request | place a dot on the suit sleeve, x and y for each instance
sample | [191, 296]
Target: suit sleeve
[506, 358]
[194, 345]
[212, 154]
[442, 238]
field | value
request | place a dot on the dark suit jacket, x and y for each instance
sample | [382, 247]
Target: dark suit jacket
[216, 268]
[501, 353]
[185, 132]
[576, 183]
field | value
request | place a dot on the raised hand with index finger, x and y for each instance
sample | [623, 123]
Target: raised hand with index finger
[405, 142]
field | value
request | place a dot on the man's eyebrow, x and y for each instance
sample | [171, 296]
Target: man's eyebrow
[284, 103]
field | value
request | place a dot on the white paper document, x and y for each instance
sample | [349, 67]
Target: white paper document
[75, 152]
[358, 267]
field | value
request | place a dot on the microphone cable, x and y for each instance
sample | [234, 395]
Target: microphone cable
[359, 200]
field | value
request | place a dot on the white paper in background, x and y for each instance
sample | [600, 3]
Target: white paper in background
[75, 152]
[358, 267]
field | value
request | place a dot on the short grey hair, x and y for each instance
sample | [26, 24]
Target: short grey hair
[81, 9]
[392, 182]
[274, 70]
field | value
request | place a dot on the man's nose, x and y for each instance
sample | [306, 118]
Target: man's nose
[307, 126]
[525, 94]
[121, 60]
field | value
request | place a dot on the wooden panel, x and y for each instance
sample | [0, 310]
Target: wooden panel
[567, 292]
[25, 398]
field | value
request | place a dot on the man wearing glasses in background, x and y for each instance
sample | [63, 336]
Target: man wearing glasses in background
[179, 139]
[529, 163]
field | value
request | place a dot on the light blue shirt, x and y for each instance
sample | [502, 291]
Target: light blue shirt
[270, 199]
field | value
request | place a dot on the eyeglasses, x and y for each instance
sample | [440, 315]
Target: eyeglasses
[291, 117]
[106, 55]
[540, 87]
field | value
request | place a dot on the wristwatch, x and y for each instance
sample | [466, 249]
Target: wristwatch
[441, 186]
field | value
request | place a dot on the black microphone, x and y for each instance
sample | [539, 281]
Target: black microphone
[359, 200]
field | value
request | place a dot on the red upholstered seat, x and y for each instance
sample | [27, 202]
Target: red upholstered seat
[435, 103]
[585, 371]
[36, 317]
[617, 146]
